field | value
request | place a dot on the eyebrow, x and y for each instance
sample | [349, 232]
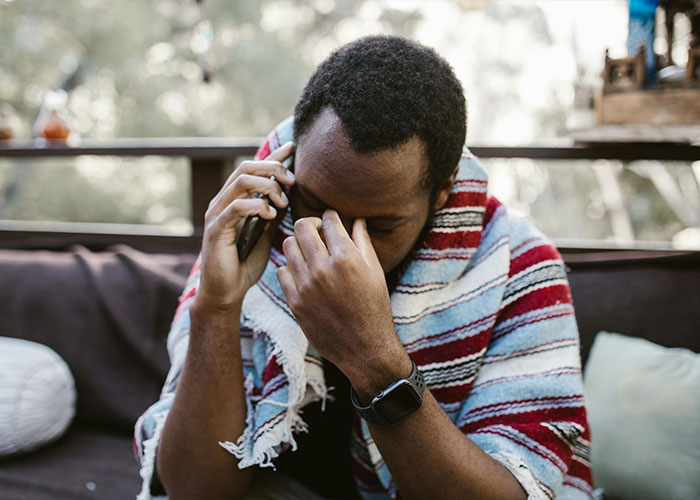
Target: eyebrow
[308, 194]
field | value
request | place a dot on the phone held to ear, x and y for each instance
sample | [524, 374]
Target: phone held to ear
[254, 225]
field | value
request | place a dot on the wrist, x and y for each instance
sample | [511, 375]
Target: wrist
[209, 324]
[204, 310]
[376, 374]
[206, 305]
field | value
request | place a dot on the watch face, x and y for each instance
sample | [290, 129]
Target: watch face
[396, 404]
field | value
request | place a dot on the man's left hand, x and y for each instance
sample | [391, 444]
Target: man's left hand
[335, 286]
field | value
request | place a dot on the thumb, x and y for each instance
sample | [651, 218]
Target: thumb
[362, 241]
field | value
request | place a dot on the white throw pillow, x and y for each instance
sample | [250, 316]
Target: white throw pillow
[37, 396]
[643, 404]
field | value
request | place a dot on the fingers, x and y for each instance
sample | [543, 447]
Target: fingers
[363, 242]
[272, 165]
[264, 168]
[247, 186]
[281, 152]
[242, 181]
[289, 288]
[295, 258]
[305, 251]
[339, 242]
[334, 233]
[235, 212]
[361, 237]
[306, 232]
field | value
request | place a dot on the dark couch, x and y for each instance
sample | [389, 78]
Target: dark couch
[108, 313]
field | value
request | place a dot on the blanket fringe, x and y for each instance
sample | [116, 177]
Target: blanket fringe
[148, 461]
[304, 387]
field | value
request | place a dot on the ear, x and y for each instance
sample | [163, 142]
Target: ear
[444, 192]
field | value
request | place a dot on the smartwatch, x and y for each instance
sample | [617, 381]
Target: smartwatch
[391, 405]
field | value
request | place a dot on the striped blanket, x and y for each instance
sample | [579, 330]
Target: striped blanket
[485, 312]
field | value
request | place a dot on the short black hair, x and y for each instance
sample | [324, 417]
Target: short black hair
[386, 90]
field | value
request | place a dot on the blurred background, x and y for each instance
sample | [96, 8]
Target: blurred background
[183, 68]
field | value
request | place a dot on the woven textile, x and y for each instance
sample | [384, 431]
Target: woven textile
[485, 312]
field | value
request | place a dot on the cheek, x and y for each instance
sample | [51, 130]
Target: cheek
[392, 250]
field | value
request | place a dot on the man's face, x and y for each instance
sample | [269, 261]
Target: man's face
[383, 187]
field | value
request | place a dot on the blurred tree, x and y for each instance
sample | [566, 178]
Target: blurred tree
[136, 68]
[147, 69]
[236, 68]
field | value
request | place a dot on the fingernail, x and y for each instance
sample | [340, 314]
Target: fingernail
[290, 174]
[284, 197]
[272, 209]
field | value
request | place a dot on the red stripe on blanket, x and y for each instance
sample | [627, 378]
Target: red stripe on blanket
[465, 199]
[181, 304]
[533, 256]
[508, 434]
[263, 151]
[521, 412]
[534, 401]
[537, 299]
[457, 239]
[492, 204]
[272, 369]
[581, 471]
[448, 351]
[545, 436]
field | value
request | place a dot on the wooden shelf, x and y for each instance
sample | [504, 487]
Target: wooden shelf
[663, 107]
[637, 134]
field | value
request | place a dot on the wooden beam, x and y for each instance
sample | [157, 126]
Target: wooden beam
[191, 147]
[207, 179]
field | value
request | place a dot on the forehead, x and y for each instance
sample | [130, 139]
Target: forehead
[328, 166]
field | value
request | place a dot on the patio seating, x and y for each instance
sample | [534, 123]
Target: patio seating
[107, 314]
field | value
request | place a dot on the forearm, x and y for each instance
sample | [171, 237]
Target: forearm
[209, 407]
[429, 457]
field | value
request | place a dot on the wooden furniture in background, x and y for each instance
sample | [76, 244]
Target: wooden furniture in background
[673, 106]
[624, 74]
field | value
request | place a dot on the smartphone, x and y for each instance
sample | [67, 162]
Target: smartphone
[254, 225]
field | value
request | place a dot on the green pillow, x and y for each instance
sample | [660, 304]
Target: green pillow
[643, 404]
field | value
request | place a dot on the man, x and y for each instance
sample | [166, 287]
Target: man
[392, 274]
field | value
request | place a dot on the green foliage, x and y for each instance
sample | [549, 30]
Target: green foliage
[150, 190]
[134, 69]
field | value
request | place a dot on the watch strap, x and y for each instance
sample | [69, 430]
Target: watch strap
[370, 413]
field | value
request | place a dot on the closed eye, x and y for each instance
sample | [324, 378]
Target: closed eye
[381, 230]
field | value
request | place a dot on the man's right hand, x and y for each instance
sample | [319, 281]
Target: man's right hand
[210, 405]
[224, 279]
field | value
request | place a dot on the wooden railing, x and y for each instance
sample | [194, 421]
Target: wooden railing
[210, 157]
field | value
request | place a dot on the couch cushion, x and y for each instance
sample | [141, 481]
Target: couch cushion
[37, 396]
[85, 463]
[107, 314]
[643, 406]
